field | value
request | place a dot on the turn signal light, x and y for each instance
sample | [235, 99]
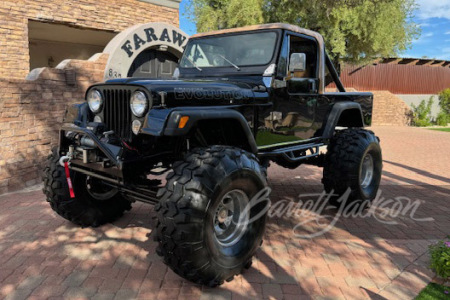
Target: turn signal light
[183, 121]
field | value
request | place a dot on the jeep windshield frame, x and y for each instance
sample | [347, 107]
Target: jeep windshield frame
[240, 48]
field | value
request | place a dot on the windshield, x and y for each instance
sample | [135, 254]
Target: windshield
[251, 49]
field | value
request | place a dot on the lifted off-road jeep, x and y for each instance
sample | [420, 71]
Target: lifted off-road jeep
[240, 99]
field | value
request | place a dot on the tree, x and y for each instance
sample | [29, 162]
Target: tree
[354, 30]
[444, 101]
[443, 117]
[422, 113]
[220, 14]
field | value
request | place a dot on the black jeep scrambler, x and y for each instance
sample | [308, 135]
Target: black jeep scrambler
[240, 99]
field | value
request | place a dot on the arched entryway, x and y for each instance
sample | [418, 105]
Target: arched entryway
[153, 63]
[146, 50]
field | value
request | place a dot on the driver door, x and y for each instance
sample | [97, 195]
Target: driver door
[291, 118]
[300, 101]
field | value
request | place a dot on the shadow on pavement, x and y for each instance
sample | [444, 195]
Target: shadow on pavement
[381, 256]
[419, 171]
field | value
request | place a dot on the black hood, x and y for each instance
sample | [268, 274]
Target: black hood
[199, 92]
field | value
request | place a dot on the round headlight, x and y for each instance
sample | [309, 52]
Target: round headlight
[95, 100]
[139, 103]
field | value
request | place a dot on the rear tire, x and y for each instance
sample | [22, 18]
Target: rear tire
[354, 162]
[195, 220]
[91, 206]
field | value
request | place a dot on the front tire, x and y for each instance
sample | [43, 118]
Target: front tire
[93, 205]
[353, 164]
[197, 219]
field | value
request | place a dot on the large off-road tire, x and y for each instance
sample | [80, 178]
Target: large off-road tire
[93, 205]
[354, 162]
[193, 228]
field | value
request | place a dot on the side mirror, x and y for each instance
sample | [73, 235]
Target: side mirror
[297, 62]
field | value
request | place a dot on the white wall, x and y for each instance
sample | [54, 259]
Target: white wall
[41, 51]
[56, 42]
[416, 99]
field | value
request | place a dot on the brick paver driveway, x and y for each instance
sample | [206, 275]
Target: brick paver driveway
[383, 255]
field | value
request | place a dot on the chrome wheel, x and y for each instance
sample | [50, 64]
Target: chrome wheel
[231, 218]
[367, 169]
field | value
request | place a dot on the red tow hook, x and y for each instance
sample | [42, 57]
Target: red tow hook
[65, 162]
[69, 181]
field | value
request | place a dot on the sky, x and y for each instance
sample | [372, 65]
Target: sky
[185, 24]
[433, 16]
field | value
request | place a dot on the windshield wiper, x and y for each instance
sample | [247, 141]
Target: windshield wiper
[193, 63]
[237, 68]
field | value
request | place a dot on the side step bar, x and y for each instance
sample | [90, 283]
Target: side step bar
[294, 153]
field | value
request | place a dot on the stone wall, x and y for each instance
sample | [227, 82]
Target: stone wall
[388, 109]
[31, 112]
[111, 15]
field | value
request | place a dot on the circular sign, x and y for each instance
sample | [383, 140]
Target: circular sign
[127, 45]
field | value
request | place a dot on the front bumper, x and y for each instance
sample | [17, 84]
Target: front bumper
[106, 162]
[96, 159]
[112, 152]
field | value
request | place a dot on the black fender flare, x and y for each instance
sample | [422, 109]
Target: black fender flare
[335, 114]
[171, 128]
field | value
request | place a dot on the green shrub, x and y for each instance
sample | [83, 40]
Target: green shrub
[444, 101]
[422, 113]
[442, 119]
[440, 258]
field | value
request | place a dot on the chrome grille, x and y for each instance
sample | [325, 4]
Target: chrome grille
[117, 112]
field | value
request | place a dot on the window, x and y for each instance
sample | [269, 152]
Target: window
[50, 43]
[309, 48]
[249, 49]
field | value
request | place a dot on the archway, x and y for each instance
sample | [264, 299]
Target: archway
[154, 63]
[146, 50]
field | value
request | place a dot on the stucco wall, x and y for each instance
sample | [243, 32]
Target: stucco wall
[416, 99]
